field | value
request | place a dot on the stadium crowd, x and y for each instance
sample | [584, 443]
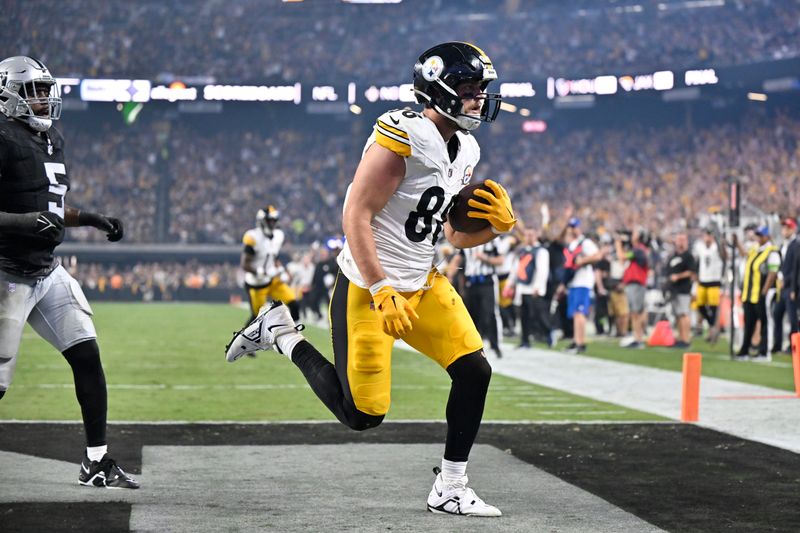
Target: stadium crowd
[655, 177]
[148, 281]
[228, 41]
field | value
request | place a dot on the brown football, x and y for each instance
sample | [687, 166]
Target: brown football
[457, 216]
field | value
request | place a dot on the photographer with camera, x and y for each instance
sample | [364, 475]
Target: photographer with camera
[634, 281]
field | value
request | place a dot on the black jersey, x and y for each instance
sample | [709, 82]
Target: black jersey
[33, 177]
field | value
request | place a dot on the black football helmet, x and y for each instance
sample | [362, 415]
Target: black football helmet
[267, 218]
[440, 69]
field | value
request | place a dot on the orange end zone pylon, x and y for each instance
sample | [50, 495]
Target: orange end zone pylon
[690, 398]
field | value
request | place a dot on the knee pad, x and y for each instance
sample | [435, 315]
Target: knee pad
[472, 368]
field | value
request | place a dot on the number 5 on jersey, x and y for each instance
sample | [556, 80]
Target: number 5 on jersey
[57, 189]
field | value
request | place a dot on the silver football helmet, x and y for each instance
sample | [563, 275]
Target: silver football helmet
[25, 82]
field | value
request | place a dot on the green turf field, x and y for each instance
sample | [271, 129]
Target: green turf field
[716, 361]
[166, 362]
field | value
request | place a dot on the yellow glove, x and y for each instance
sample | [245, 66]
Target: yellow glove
[394, 310]
[498, 211]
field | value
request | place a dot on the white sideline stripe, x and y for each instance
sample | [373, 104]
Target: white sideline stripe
[658, 391]
[333, 422]
[518, 389]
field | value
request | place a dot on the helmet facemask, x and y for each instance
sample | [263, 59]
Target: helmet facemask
[25, 83]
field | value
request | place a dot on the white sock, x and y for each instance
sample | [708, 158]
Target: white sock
[453, 470]
[95, 453]
[287, 343]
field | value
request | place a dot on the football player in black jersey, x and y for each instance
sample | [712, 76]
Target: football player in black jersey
[34, 287]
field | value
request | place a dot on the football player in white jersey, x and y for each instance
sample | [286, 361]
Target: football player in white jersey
[262, 270]
[387, 288]
[710, 259]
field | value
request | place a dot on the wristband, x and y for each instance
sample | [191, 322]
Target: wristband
[378, 285]
[89, 219]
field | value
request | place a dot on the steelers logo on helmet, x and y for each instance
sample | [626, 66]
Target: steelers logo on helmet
[432, 67]
[267, 218]
[441, 69]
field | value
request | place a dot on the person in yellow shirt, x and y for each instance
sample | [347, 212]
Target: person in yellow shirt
[761, 270]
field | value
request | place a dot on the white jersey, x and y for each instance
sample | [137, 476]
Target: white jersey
[584, 276]
[709, 263]
[408, 227]
[266, 254]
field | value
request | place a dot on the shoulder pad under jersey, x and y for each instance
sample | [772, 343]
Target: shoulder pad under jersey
[402, 131]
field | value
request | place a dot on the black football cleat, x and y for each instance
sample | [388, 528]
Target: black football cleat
[105, 473]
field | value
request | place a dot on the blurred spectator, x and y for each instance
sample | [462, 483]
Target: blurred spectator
[602, 272]
[784, 304]
[580, 254]
[710, 259]
[681, 270]
[760, 272]
[634, 280]
[527, 283]
[153, 281]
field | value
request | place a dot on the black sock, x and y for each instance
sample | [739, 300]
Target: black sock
[470, 374]
[712, 315]
[324, 381]
[90, 388]
[703, 309]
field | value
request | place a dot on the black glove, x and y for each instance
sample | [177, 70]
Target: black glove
[112, 226]
[117, 231]
[49, 225]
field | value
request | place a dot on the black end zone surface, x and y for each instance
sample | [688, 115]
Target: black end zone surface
[85, 517]
[678, 477]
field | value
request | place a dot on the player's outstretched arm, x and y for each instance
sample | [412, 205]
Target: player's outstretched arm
[110, 225]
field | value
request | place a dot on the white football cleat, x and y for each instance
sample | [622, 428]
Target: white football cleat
[260, 334]
[456, 498]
